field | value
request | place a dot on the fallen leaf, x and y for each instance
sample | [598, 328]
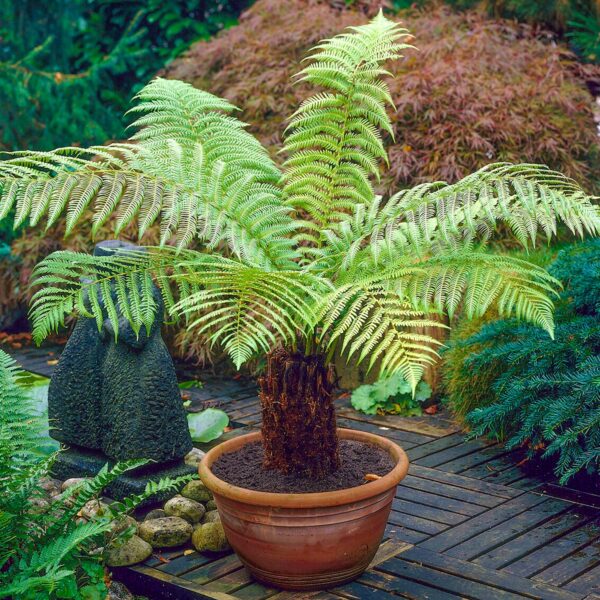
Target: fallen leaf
[16, 345]
[188, 552]
[52, 362]
[431, 410]
[162, 559]
[372, 477]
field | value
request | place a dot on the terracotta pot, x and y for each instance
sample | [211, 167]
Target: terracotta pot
[306, 541]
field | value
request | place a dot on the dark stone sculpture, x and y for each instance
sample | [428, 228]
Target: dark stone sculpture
[117, 400]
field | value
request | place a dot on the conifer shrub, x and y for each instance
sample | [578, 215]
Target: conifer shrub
[534, 391]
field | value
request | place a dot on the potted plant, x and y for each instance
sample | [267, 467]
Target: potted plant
[297, 264]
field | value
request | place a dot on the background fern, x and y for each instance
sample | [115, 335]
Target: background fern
[44, 546]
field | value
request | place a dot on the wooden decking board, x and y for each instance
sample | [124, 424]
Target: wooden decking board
[213, 569]
[477, 456]
[255, 591]
[360, 590]
[451, 491]
[407, 438]
[498, 579]
[438, 501]
[508, 530]
[469, 529]
[553, 552]
[444, 581]
[230, 581]
[184, 563]
[465, 523]
[416, 523]
[428, 512]
[467, 483]
[526, 543]
[572, 566]
[586, 582]
[400, 533]
[404, 588]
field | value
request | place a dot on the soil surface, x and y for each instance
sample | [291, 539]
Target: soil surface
[244, 468]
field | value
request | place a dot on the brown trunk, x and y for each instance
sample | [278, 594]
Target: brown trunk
[299, 428]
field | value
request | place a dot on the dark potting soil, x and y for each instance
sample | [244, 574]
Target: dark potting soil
[244, 468]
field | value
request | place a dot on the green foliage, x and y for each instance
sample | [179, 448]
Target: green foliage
[544, 394]
[393, 395]
[334, 139]
[207, 425]
[68, 68]
[45, 550]
[366, 275]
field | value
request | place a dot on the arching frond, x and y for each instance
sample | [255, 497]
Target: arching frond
[248, 310]
[334, 141]
[191, 165]
[375, 324]
[530, 199]
[476, 281]
[243, 307]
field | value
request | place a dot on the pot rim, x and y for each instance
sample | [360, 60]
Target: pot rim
[309, 499]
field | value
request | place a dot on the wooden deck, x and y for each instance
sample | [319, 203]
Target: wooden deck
[467, 522]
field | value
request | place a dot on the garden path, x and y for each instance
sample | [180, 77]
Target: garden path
[467, 522]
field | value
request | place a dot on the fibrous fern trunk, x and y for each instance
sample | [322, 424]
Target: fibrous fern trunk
[299, 426]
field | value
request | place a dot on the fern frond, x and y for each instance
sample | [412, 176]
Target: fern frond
[377, 324]
[334, 143]
[530, 199]
[239, 305]
[248, 310]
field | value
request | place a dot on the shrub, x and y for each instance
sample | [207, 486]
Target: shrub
[476, 91]
[542, 393]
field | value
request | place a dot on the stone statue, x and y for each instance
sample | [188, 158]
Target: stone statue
[116, 400]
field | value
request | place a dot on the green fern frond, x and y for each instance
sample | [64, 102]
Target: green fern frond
[242, 306]
[334, 143]
[377, 324]
[248, 310]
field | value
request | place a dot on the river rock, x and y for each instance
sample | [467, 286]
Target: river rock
[194, 457]
[130, 552]
[210, 537]
[212, 516]
[186, 508]
[196, 490]
[51, 486]
[73, 481]
[166, 532]
[156, 513]
[120, 525]
[211, 505]
[117, 591]
[93, 509]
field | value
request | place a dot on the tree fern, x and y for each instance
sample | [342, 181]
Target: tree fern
[313, 252]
